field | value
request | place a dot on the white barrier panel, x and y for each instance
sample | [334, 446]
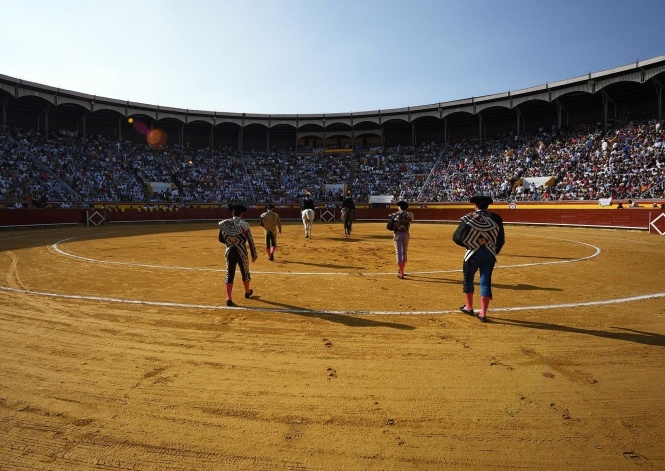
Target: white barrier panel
[653, 224]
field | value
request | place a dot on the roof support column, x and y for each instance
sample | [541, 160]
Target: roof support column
[481, 125]
[4, 112]
[520, 120]
[559, 110]
[45, 112]
[84, 122]
[353, 137]
[240, 135]
[413, 134]
[606, 101]
[659, 97]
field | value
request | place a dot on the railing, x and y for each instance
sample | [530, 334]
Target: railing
[429, 177]
[247, 179]
[46, 169]
[653, 189]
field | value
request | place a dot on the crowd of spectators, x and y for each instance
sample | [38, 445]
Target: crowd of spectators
[585, 163]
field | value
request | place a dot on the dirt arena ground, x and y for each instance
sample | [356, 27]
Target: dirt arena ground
[118, 352]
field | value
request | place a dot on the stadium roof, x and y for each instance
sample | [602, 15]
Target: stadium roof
[617, 91]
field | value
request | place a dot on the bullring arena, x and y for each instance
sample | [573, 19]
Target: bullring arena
[119, 352]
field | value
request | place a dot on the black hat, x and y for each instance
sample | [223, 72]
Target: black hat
[270, 206]
[481, 201]
[402, 204]
[237, 208]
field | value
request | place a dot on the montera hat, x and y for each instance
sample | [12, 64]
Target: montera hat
[402, 204]
[481, 201]
[237, 208]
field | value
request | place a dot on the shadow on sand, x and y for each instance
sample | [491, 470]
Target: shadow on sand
[347, 320]
[619, 333]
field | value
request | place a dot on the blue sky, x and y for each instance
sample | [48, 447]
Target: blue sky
[319, 56]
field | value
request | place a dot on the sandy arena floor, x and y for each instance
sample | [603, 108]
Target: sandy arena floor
[118, 352]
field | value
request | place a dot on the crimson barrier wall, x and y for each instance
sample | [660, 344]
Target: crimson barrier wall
[625, 218]
[555, 214]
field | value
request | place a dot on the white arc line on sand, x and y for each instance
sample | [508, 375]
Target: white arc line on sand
[317, 311]
[56, 247]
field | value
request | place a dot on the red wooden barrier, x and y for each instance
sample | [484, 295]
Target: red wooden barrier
[555, 214]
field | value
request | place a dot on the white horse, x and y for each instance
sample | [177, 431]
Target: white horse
[307, 220]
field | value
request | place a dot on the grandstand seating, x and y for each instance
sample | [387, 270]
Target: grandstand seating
[586, 163]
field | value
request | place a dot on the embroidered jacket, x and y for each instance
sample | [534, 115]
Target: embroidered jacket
[401, 221]
[270, 221]
[480, 228]
[235, 232]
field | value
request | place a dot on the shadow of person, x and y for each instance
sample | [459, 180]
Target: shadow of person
[518, 287]
[538, 257]
[431, 279]
[620, 333]
[524, 287]
[338, 317]
[322, 265]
